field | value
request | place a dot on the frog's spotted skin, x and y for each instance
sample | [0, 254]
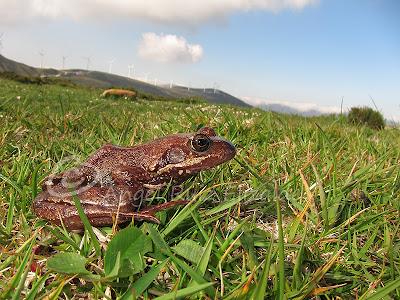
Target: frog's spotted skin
[115, 180]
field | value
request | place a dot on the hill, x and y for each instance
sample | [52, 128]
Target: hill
[7, 65]
[311, 201]
[334, 206]
[107, 80]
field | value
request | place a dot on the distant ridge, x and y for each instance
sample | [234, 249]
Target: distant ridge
[286, 109]
[107, 80]
[7, 65]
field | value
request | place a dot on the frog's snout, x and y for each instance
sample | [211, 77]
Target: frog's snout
[231, 150]
[227, 148]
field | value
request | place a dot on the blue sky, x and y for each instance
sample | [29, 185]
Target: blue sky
[305, 53]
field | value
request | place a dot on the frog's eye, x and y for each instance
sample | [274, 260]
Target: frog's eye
[201, 143]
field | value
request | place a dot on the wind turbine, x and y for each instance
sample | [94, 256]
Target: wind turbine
[155, 81]
[146, 76]
[88, 61]
[41, 53]
[1, 41]
[130, 69]
[215, 87]
[171, 83]
[110, 64]
[64, 58]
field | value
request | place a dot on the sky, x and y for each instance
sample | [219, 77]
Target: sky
[302, 53]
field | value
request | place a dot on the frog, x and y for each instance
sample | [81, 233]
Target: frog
[114, 182]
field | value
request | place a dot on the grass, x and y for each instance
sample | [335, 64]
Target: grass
[309, 208]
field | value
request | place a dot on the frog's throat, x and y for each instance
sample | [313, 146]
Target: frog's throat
[186, 163]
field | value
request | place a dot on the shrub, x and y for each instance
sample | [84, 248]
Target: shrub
[366, 116]
[36, 79]
[23, 79]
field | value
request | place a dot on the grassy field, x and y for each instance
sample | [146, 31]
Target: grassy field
[308, 209]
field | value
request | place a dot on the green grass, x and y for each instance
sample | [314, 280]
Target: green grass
[308, 208]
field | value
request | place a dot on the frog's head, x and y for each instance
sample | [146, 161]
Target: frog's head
[184, 155]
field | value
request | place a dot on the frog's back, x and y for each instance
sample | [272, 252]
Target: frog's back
[108, 154]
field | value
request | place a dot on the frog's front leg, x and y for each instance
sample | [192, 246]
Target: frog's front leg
[128, 176]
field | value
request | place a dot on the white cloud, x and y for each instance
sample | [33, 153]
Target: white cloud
[171, 11]
[301, 107]
[168, 48]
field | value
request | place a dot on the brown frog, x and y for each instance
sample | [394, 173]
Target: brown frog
[114, 181]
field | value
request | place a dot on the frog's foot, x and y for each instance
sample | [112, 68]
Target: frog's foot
[148, 213]
[149, 217]
[160, 207]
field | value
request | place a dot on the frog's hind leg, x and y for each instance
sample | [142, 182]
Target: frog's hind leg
[100, 205]
[61, 213]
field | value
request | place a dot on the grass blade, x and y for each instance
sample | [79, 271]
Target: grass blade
[87, 225]
[140, 285]
[281, 247]
[382, 292]
[15, 286]
[260, 291]
[185, 292]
